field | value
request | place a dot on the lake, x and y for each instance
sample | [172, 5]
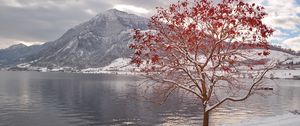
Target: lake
[68, 99]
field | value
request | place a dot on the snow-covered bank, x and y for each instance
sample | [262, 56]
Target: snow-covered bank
[280, 120]
[284, 74]
[118, 66]
[99, 71]
[123, 66]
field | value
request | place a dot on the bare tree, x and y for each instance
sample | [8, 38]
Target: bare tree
[204, 48]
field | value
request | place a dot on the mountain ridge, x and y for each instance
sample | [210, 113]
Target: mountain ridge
[93, 43]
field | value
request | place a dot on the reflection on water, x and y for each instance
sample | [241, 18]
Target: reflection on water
[61, 99]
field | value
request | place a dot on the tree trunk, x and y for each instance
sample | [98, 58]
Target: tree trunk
[205, 118]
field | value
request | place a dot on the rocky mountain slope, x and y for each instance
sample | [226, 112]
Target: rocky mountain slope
[18, 54]
[94, 43]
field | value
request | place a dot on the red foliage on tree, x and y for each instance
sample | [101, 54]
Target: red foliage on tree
[198, 46]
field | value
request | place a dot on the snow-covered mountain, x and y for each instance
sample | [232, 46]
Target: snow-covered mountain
[19, 53]
[94, 43]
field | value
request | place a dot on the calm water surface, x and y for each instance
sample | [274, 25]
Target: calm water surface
[64, 99]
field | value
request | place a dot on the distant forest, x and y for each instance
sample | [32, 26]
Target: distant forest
[289, 51]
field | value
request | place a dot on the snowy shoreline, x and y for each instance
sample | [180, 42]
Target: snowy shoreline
[123, 66]
[273, 74]
[279, 120]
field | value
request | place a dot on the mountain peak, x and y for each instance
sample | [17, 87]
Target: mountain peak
[21, 45]
[114, 19]
[114, 12]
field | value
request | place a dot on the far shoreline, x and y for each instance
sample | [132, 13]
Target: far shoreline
[273, 74]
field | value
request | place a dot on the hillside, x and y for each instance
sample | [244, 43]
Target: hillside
[94, 43]
[122, 65]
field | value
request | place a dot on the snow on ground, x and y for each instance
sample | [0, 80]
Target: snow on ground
[118, 66]
[281, 56]
[296, 60]
[123, 66]
[274, 55]
[280, 120]
[287, 74]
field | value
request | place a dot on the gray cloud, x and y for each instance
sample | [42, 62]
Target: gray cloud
[293, 43]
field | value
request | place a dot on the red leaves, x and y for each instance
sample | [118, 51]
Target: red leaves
[233, 22]
[259, 54]
[171, 26]
[192, 26]
[231, 32]
[252, 22]
[241, 3]
[138, 52]
[184, 4]
[218, 24]
[231, 62]
[211, 12]
[226, 69]
[263, 45]
[172, 8]
[235, 45]
[264, 34]
[137, 34]
[136, 60]
[169, 48]
[132, 46]
[155, 58]
[192, 40]
[266, 52]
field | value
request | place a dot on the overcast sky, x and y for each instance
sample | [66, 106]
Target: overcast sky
[39, 21]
